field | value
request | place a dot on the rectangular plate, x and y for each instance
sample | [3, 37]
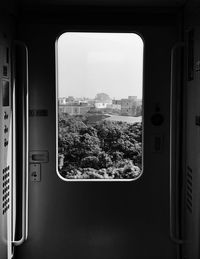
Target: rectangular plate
[39, 156]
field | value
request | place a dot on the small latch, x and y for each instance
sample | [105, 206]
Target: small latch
[157, 143]
[39, 156]
[197, 120]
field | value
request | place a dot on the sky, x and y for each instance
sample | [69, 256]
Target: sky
[91, 63]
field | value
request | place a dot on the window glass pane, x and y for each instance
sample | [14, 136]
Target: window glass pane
[100, 105]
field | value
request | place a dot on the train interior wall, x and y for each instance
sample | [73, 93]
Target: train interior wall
[107, 219]
[191, 166]
[99, 220]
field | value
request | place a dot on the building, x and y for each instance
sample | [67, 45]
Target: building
[129, 106]
[62, 100]
[74, 109]
[117, 102]
[100, 105]
[114, 106]
[66, 100]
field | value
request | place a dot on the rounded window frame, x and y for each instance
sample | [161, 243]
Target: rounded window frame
[140, 35]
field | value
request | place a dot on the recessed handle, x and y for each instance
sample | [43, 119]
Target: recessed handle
[25, 151]
[173, 236]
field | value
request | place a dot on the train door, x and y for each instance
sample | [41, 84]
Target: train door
[98, 219]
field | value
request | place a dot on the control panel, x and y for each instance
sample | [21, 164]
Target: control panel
[5, 126]
[7, 220]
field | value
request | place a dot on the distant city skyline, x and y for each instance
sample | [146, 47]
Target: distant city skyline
[91, 63]
[92, 98]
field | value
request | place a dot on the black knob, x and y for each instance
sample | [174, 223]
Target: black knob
[157, 119]
[5, 142]
[5, 116]
[5, 129]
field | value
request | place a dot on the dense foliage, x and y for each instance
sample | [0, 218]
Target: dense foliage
[102, 149]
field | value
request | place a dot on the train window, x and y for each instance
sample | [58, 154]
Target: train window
[99, 106]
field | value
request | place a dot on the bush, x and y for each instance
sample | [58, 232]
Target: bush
[90, 161]
[130, 171]
[106, 149]
[104, 160]
[117, 156]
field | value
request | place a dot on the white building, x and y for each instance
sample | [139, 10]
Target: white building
[99, 105]
[62, 101]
